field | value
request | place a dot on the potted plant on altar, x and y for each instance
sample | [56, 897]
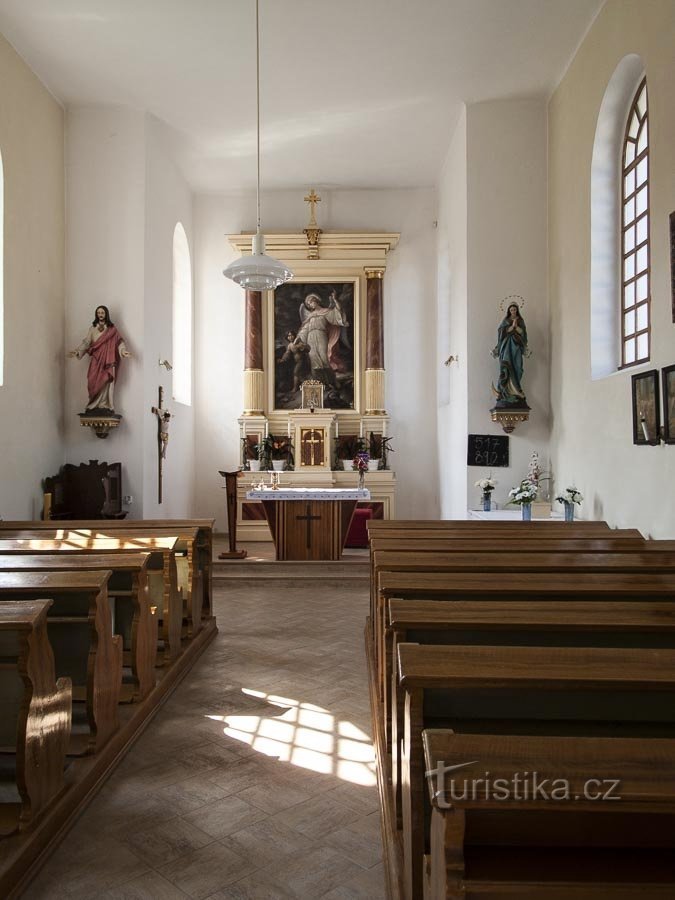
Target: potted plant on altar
[524, 496]
[360, 463]
[569, 497]
[263, 454]
[487, 486]
[346, 448]
[379, 446]
[281, 452]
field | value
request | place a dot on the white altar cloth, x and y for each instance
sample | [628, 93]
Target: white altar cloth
[309, 494]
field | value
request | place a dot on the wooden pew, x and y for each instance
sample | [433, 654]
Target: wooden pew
[162, 577]
[498, 562]
[527, 690]
[201, 548]
[135, 618]
[79, 625]
[514, 623]
[551, 586]
[536, 846]
[440, 524]
[35, 712]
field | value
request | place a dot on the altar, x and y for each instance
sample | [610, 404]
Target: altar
[309, 523]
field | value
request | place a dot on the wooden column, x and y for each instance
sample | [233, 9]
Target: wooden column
[254, 376]
[374, 343]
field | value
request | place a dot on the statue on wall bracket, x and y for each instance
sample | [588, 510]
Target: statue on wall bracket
[510, 407]
[105, 347]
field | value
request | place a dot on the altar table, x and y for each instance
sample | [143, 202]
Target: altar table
[309, 523]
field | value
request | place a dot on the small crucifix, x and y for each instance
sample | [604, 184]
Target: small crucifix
[163, 421]
[308, 519]
[312, 448]
[312, 198]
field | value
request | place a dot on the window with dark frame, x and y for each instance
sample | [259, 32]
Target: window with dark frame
[635, 254]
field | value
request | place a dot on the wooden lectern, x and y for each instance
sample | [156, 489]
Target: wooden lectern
[231, 491]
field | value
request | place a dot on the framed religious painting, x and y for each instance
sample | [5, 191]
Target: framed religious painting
[646, 409]
[314, 338]
[668, 381]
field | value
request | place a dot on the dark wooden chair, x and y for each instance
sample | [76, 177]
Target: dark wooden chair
[90, 490]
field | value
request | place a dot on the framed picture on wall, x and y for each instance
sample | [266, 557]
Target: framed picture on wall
[668, 380]
[314, 337]
[646, 409]
[672, 262]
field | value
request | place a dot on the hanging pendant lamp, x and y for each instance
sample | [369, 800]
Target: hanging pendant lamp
[258, 272]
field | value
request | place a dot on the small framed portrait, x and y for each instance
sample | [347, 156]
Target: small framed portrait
[668, 379]
[646, 410]
[314, 338]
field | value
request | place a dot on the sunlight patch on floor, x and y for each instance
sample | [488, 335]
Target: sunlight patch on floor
[305, 735]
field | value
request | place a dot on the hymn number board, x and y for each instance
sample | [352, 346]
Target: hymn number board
[490, 450]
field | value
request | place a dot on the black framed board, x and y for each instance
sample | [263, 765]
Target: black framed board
[490, 450]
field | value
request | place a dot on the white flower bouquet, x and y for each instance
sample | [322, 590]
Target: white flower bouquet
[525, 493]
[487, 485]
[570, 495]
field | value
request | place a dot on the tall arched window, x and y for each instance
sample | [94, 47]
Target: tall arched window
[182, 318]
[2, 274]
[635, 290]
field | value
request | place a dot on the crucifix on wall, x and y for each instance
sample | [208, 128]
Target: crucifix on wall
[163, 421]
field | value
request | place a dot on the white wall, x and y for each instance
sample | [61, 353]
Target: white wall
[592, 428]
[452, 300]
[105, 191]
[507, 254]
[31, 399]
[409, 290]
[168, 200]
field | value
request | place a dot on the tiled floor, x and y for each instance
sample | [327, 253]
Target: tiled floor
[256, 779]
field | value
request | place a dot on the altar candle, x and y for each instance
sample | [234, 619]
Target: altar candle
[289, 426]
[384, 428]
[361, 429]
[267, 429]
[337, 429]
[644, 429]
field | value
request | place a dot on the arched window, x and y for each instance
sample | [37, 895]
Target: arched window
[635, 292]
[182, 318]
[2, 274]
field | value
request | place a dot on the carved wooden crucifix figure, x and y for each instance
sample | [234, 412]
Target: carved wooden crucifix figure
[163, 421]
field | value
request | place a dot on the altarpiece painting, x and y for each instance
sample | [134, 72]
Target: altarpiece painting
[314, 339]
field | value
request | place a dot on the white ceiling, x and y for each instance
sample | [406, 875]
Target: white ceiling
[355, 93]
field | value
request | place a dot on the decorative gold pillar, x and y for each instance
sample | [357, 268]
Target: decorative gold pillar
[374, 343]
[254, 375]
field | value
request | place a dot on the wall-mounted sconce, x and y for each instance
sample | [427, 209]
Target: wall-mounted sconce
[167, 365]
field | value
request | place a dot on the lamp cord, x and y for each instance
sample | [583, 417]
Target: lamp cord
[257, 103]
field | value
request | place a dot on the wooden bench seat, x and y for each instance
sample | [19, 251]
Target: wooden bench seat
[513, 623]
[551, 586]
[202, 546]
[498, 562]
[409, 525]
[550, 843]
[162, 573]
[523, 690]
[136, 619]
[79, 625]
[35, 715]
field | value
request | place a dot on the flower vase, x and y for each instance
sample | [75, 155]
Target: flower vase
[487, 502]
[569, 511]
[526, 511]
[348, 464]
[278, 465]
[362, 479]
[254, 465]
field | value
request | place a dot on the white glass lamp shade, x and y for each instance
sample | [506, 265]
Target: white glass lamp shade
[258, 272]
